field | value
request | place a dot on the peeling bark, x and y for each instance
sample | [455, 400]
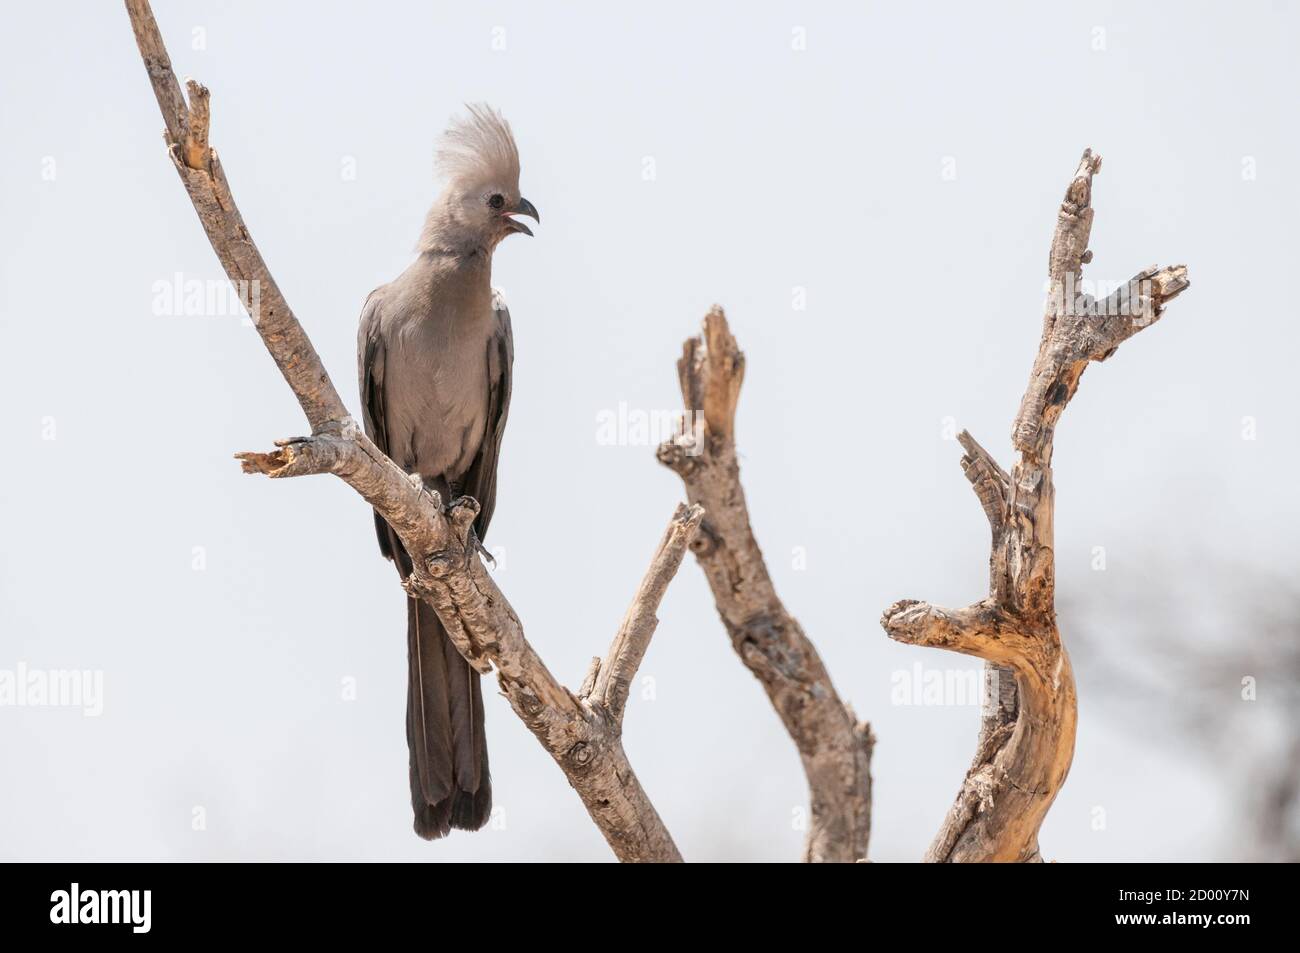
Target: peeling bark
[1027, 732]
[834, 746]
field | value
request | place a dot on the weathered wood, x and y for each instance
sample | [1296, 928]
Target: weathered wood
[1027, 731]
[612, 680]
[583, 732]
[834, 746]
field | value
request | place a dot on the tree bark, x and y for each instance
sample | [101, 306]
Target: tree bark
[1027, 731]
[582, 732]
[834, 746]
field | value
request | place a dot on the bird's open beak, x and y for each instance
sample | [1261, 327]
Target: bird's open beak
[524, 207]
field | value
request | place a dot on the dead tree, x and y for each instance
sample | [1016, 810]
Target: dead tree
[1026, 738]
[834, 746]
[1026, 742]
[582, 731]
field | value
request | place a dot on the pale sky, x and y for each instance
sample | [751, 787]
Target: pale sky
[869, 191]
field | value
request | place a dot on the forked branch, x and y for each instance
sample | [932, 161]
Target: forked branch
[582, 732]
[1027, 733]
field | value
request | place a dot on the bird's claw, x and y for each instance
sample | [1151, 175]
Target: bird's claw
[480, 548]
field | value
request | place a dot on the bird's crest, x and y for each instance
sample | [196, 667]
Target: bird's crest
[478, 149]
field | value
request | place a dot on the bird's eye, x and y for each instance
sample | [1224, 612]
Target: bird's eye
[497, 201]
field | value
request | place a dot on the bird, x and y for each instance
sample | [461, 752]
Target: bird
[435, 355]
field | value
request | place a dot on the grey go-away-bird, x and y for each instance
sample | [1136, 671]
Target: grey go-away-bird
[434, 355]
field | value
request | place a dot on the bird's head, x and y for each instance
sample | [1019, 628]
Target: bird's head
[478, 158]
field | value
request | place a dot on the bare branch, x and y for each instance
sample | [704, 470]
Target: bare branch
[196, 136]
[589, 678]
[201, 171]
[990, 482]
[715, 368]
[1027, 730]
[1076, 328]
[834, 746]
[979, 630]
[447, 572]
[171, 102]
[1069, 252]
[614, 678]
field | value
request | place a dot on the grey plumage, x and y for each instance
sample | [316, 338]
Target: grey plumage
[434, 354]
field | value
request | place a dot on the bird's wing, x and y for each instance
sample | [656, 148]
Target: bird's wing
[370, 375]
[481, 480]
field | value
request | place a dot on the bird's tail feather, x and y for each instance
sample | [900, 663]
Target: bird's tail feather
[450, 786]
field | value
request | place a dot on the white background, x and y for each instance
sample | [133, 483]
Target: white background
[775, 169]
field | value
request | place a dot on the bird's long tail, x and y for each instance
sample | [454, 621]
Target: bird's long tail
[444, 730]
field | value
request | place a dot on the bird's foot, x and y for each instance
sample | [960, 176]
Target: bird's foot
[463, 511]
[480, 548]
